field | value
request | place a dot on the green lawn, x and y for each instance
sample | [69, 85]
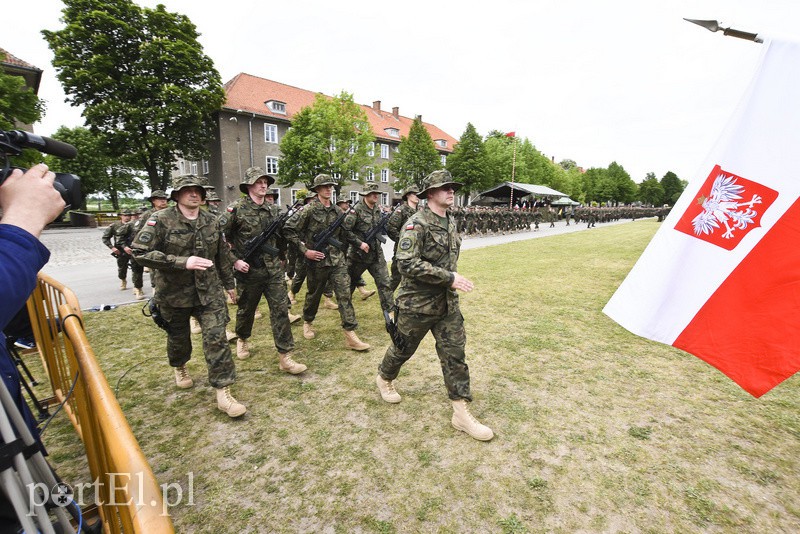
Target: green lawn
[596, 430]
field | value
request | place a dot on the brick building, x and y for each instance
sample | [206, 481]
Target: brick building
[256, 115]
[13, 65]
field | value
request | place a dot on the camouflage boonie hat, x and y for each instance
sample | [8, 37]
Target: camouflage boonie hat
[438, 179]
[251, 175]
[322, 179]
[127, 212]
[212, 195]
[369, 188]
[158, 193]
[182, 182]
[413, 188]
[343, 200]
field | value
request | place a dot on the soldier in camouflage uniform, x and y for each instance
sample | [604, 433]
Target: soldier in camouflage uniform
[361, 219]
[191, 264]
[395, 225]
[158, 201]
[263, 275]
[213, 200]
[300, 260]
[117, 238]
[321, 266]
[427, 300]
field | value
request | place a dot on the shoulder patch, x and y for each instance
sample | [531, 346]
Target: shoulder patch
[405, 244]
[410, 226]
[145, 237]
[230, 209]
[223, 219]
[152, 222]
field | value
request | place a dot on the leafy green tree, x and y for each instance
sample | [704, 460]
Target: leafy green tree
[650, 191]
[416, 156]
[143, 79]
[528, 165]
[331, 136]
[673, 187]
[468, 163]
[99, 171]
[19, 105]
[594, 180]
[623, 188]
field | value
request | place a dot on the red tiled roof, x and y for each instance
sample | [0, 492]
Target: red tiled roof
[13, 60]
[249, 93]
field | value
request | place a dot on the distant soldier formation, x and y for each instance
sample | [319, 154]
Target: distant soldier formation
[203, 259]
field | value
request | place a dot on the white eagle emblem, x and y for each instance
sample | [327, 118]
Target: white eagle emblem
[723, 208]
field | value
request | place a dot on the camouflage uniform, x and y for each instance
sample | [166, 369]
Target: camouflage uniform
[164, 244]
[427, 256]
[359, 221]
[393, 228]
[139, 224]
[300, 230]
[119, 235]
[244, 219]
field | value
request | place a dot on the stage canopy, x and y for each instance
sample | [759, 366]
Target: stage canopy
[502, 193]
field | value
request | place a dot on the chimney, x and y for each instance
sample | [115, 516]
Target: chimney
[396, 112]
[376, 105]
[418, 117]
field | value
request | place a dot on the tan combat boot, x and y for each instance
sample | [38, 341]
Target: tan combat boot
[194, 326]
[292, 300]
[182, 378]
[228, 404]
[294, 318]
[351, 341]
[365, 293]
[308, 331]
[388, 393]
[328, 304]
[466, 422]
[257, 315]
[138, 294]
[230, 336]
[242, 349]
[288, 365]
[123, 284]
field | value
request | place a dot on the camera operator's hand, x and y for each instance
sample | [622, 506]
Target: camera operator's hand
[29, 200]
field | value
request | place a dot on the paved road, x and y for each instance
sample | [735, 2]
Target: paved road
[80, 261]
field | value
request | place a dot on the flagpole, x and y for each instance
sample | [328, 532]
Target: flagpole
[513, 169]
[713, 26]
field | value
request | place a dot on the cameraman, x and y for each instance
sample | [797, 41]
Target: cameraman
[28, 203]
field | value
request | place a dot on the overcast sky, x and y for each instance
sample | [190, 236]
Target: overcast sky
[593, 81]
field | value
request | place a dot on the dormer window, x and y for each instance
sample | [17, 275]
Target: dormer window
[393, 132]
[276, 106]
[442, 143]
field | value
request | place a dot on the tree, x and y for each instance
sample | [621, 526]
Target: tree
[19, 105]
[416, 156]
[468, 163]
[672, 186]
[650, 191]
[622, 188]
[143, 80]
[331, 136]
[99, 171]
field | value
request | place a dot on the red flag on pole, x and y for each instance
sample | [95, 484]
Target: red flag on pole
[721, 277]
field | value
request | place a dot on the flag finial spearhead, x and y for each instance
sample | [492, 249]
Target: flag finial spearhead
[713, 26]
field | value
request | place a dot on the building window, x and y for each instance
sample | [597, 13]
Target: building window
[294, 195]
[371, 150]
[193, 168]
[270, 133]
[370, 174]
[393, 132]
[444, 159]
[353, 175]
[205, 166]
[337, 176]
[384, 151]
[272, 165]
[353, 197]
[384, 199]
[276, 107]
[385, 176]
[442, 143]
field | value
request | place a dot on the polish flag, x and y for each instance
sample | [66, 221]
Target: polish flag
[721, 277]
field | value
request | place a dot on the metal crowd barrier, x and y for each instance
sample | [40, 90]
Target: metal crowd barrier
[129, 498]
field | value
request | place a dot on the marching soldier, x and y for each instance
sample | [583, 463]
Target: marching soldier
[427, 300]
[244, 219]
[117, 238]
[317, 217]
[184, 246]
[395, 225]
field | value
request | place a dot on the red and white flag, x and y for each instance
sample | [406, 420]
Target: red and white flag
[721, 277]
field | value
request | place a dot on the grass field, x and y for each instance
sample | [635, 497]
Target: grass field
[596, 430]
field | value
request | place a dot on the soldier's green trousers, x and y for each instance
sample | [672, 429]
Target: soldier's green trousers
[379, 273]
[448, 331]
[273, 286]
[212, 318]
[317, 279]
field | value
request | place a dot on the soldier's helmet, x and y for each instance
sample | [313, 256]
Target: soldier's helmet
[322, 179]
[438, 179]
[212, 195]
[413, 188]
[251, 175]
[369, 188]
[158, 193]
[189, 180]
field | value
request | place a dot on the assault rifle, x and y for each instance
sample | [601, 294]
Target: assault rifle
[257, 244]
[325, 237]
[378, 232]
[398, 339]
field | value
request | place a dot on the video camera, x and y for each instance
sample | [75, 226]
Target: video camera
[13, 142]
